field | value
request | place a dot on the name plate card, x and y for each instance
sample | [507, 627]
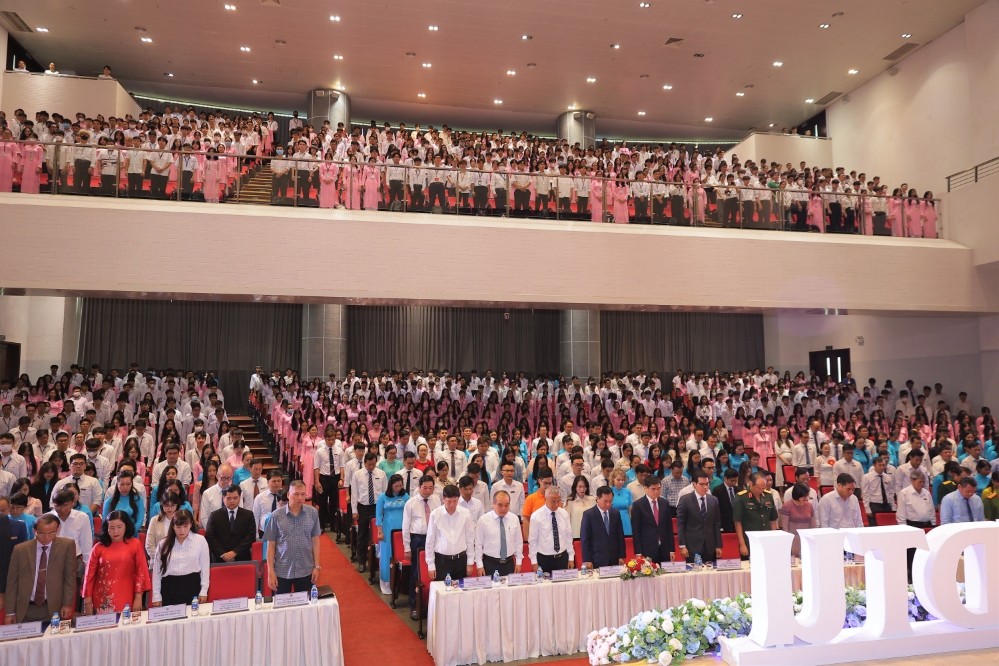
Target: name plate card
[529, 578]
[291, 599]
[728, 565]
[234, 605]
[27, 630]
[565, 574]
[611, 571]
[91, 622]
[477, 583]
[673, 567]
[161, 613]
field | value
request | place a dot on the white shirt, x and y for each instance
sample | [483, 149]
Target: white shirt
[211, 500]
[834, 511]
[487, 538]
[188, 557]
[262, 504]
[414, 517]
[450, 534]
[917, 507]
[853, 468]
[246, 491]
[540, 538]
[474, 506]
[798, 455]
[183, 471]
[90, 489]
[77, 527]
[870, 488]
[359, 487]
[456, 460]
[516, 492]
[15, 464]
[328, 460]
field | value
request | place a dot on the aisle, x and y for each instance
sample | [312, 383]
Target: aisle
[372, 632]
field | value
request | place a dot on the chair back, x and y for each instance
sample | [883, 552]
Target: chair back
[789, 472]
[424, 577]
[97, 524]
[343, 500]
[730, 546]
[885, 519]
[398, 553]
[257, 551]
[813, 482]
[629, 548]
[577, 548]
[233, 579]
[772, 464]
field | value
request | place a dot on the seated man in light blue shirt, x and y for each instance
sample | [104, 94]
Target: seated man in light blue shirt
[964, 505]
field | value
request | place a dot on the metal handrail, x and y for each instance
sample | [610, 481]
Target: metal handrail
[972, 175]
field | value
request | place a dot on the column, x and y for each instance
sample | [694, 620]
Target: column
[327, 104]
[579, 347]
[323, 340]
[578, 127]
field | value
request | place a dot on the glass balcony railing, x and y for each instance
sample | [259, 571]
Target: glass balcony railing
[306, 182]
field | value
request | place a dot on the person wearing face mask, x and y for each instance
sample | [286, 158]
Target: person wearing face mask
[10, 460]
[100, 463]
[280, 170]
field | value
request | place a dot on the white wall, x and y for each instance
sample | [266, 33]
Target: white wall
[783, 149]
[982, 29]
[988, 333]
[925, 349]
[38, 324]
[67, 95]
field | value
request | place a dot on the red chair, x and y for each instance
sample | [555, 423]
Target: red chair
[885, 519]
[372, 554]
[577, 548]
[527, 555]
[789, 472]
[813, 482]
[422, 591]
[676, 532]
[97, 524]
[730, 546]
[824, 489]
[629, 548]
[863, 516]
[343, 517]
[400, 565]
[772, 464]
[233, 579]
[257, 551]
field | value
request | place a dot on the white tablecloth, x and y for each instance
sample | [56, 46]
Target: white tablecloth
[526, 622]
[296, 636]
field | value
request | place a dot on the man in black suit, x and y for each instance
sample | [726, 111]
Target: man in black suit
[652, 524]
[601, 533]
[725, 493]
[698, 521]
[231, 529]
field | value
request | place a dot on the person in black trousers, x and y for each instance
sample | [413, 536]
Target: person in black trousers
[231, 529]
[726, 498]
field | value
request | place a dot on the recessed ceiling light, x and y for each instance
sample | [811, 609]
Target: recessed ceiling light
[410, 54]
[432, 28]
[591, 80]
[147, 39]
[771, 124]
[334, 17]
[708, 120]
[824, 26]
[853, 71]
[532, 65]
[244, 48]
[527, 37]
[572, 107]
[427, 64]
[667, 87]
[641, 113]
[255, 81]
[421, 94]
[778, 64]
[230, 8]
[338, 57]
[497, 101]
[510, 72]
[837, 14]
[41, 29]
[698, 55]
[615, 46]
[736, 15]
[643, 5]
[740, 94]
[906, 35]
[167, 74]
[809, 101]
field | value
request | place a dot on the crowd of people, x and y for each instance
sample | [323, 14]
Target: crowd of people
[412, 168]
[603, 459]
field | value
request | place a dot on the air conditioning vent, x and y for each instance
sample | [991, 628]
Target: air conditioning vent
[14, 22]
[673, 40]
[828, 98]
[271, 3]
[905, 49]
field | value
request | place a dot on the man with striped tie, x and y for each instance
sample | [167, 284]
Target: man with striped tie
[367, 484]
[415, 519]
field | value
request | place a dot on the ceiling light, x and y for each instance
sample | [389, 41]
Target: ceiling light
[510, 72]
[167, 74]
[280, 42]
[527, 37]
[338, 57]
[708, 120]
[853, 71]
[698, 55]
[824, 26]
[736, 15]
[740, 94]
[421, 94]
[147, 39]
[641, 113]
[427, 64]
[334, 17]
[255, 81]
[140, 28]
[778, 64]
[643, 76]
[667, 87]
[497, 101]
[591, 80]
[410, 54]
[906, 35]
[837, 14]
[230, 8]
[809, 101]
[432, 28]
[643, 5]
[245, 49]
[615, 46]
[41, 29]
[572, 107]
[771, 124]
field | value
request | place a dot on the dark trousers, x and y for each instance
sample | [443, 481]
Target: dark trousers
[730, 212]
[416, 196]
[480, 196]
[37, 613]
[565, 204]
[521, 199]
[880, 220]
[641, 208]
[705, 556]
[748, 208]
[279, 185]
[158, 185]
[364, 515]
[286, 585]
[910, 554]
[676, 209]
[582, 204]
[851, 220]
[437, 194]
[877, 507]
[463, 198]
[134, 184]
[327, 501]
[81, 176]
[303, 184]
[396, 191]
[541, 201]
[499, 198]
[180, 589]
[835, 217]
[187, 182]
[416, 544]
[765, 213]
[107, 184]
[456, 565]
[550, 563]
[491, 564]
[658, 210]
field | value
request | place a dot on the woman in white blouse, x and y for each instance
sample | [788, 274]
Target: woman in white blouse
[159, 525]
[181, 564]
[783, 448]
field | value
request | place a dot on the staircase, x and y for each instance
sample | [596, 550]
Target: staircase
[254, 440]
[257, 190]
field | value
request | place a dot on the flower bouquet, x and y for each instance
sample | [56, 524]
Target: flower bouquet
[640, 567]
[647, 637]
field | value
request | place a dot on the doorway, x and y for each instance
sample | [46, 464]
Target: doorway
[833, 363]
[10, 360]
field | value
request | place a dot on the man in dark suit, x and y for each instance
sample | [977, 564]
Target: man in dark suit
[725, 494]
[231, 529]
[652, 524]
[601, 533]
[698, 521]
[41, 579]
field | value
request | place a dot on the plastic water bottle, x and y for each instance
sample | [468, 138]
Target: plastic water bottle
[126, 615]
[258, 601]
[54, 626]
[447, 582]
[698, 562]
[496, 577]
[541, 575]
[314, 595]
[195, 606]
[582, 570]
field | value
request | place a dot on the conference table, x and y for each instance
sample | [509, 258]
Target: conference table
[553, 618]
[293, 636]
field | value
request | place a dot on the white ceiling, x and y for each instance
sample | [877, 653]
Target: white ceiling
[477, 41]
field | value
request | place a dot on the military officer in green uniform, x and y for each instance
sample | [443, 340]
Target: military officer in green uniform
[754, 511]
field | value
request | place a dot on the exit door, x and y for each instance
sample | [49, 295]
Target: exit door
[833, 363]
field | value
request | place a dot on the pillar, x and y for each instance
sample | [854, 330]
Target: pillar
[578, 127]
[579, 344]
[323, 340]
[327, 104]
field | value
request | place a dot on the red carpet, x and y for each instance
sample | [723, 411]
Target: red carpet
[371, 631]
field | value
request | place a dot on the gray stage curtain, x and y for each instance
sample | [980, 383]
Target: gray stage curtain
[227, 338]
[691, 341]
[456, 339]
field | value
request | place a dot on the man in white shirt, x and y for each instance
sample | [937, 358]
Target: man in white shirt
[10, 461]
[514, 489]
[211, 499]
[847, 465]
[415, 520]
[576, 468]
[915, 508]
[450, 544]
[250, 488]
[74, 525]
[327, 463]
[840, 509]
[468, 501]
[455, 459]
[803, 454]
[367, 485]
[266, 502]
[498, 540]
[90, 488]
[567, 434]
[878, 488]
[173, 458]
[550, 539]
